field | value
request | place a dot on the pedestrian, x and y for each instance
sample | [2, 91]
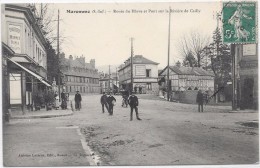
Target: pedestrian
[63, 100]
[56, 101]
[199, 100]
[103, 101]
[77, 101]
[133, 103]
[111, 102]
[125, 96]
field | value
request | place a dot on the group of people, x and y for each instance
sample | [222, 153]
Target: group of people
[64, 98]
[109, 103]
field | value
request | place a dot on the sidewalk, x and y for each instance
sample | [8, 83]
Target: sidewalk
[45, 143]
[37, 144]
[43, 113]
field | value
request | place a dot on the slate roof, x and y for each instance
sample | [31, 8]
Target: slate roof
[189, 71]
[138, 59]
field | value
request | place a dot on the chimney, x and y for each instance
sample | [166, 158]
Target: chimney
[92, 63]
[178, 64]
[70, 60]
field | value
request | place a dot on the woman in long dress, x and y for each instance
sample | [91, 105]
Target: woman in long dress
[56, 101]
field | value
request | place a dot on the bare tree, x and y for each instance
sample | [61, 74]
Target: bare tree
[45, 17]
[192, 45]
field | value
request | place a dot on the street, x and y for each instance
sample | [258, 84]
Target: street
[169, 134]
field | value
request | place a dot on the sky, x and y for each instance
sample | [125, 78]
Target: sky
[105, 35]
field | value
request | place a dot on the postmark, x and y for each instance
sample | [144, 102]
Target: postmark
[239, 22]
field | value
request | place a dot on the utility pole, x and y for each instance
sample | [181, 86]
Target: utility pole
[58, 52]
[168, 66]
[116, 77]
[109, 78]
[132, 53]
[234, 81]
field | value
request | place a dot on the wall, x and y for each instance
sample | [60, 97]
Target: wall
[187, 96]
[30, 43]
[248, 69]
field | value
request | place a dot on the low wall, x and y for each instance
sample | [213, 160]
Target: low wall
[188, 97]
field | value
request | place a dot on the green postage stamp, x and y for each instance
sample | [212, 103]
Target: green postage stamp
[239, 22]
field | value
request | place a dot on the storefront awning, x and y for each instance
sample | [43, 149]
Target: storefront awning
[30, 72]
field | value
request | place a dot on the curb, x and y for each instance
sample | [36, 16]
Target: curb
[42, 116]
[243, 111]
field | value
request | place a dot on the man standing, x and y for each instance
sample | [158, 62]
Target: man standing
[133, 102]
[63, 100]
[199, 100]
[111, 102]
[103, 101]
[77, 101]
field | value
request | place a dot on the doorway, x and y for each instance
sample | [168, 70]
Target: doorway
[248, 94]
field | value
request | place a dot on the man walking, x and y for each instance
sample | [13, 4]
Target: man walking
[199, 100]
[111, 102]
[133, 103]
[77, 101]
[103, 101]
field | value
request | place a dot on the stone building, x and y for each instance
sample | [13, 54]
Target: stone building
[78, 75]
[23, 55]
[145, 75]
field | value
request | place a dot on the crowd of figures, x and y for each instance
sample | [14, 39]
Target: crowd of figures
[108, 102]
[50, 100]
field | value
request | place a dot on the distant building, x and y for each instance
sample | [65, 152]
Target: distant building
[79, 75]
[145, 75]
[109, 84]
[187, 78]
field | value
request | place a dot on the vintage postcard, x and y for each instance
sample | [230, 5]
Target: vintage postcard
[141, 83]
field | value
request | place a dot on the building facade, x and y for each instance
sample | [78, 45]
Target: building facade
[24, 55]
[109, 83]
[78, 75]
[145, 75]
[187, 78]
[246, 74]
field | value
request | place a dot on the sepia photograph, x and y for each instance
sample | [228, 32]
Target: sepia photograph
[120, 83]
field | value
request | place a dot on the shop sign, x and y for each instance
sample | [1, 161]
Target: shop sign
[14, 37]
[140, 70]
[249, 50]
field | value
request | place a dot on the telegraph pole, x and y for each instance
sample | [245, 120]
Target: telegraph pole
[116, 76]
[168, 66]
[58, 52]
[109, 78]
[234, 81]
[132, 53]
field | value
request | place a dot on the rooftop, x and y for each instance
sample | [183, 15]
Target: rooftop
[189, 71]
[137, 59]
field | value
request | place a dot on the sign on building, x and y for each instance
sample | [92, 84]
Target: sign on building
[239, 22]
[140, 70]
[14, 37]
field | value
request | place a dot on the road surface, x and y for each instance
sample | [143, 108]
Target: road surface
[168, 134]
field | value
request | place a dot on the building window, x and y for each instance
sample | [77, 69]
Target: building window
[149, 86]
[148, 72]
[70, 88]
